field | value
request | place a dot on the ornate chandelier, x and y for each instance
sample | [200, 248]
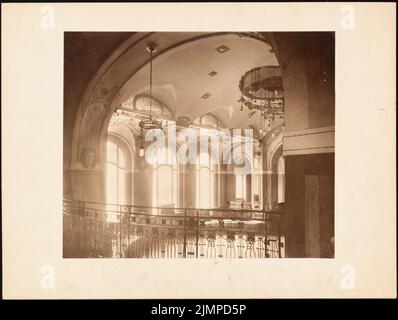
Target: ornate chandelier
[262, 92]
[150, 121]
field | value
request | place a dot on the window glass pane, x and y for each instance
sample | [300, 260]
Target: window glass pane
[160, 156]
[169, 157]
[121, 159]
[205, 181]
[111, 183]
[256, 184]
[205, 189]
[164, 184]
[281, 180]
[111, 152]
[211, 189]
[240, 186]
[209, 120]
[175, 181]
[145, 103]
[165, 179]
[203, 159]
[257, 164]
[121, 187]
[115, 178]
[244, 187]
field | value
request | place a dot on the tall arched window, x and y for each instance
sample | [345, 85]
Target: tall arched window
[205, 181]
[240, 186]
[240, 178]
[115, 174]
[257, 183]
[115, 177]
[281, 180]
[165, 175]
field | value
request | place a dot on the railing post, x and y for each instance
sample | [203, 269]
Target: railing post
[197, 232]
[265, 233]
[83, 235]
[128, 231]
[279, 237]
[279, 247]
[185, 233]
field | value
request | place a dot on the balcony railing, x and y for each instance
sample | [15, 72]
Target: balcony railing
[101, 230]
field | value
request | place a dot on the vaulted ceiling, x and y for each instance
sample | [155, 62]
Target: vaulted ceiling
[200, 77]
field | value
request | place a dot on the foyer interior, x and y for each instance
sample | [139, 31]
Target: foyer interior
[117, 204]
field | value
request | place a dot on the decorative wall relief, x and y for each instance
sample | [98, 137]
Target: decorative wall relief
[88, 157]
[102, 97]
[97, 106]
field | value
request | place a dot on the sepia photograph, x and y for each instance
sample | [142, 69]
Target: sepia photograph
[198, 151]
[198, 145]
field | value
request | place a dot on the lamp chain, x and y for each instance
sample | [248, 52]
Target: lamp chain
[150, 87]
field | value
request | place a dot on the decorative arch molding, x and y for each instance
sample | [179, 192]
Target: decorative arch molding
[272, 150]
[209, 121]
[277, 154]
[270, 143]
[271, 178]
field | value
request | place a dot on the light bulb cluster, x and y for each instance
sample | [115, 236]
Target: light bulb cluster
[262, 91]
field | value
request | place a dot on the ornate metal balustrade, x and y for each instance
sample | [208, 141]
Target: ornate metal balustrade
[123, 231]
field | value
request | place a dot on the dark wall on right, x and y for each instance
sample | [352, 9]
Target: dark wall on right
[307, 61]
[310, 204]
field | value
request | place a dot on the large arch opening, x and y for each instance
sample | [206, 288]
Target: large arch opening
[204, 93]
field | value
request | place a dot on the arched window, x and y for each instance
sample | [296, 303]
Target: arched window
[165, 175]
[116, 165]
[240, 186]
[115, 174]
[257, 183]
[281, 180]
[205, 181]
[240, 178]
[208, 121]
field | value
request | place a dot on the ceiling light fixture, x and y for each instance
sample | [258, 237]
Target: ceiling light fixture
[150, 121]
[262, 91]
[222, 49]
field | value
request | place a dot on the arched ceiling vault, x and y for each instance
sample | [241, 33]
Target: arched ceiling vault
[185, 74]
[182, 75]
